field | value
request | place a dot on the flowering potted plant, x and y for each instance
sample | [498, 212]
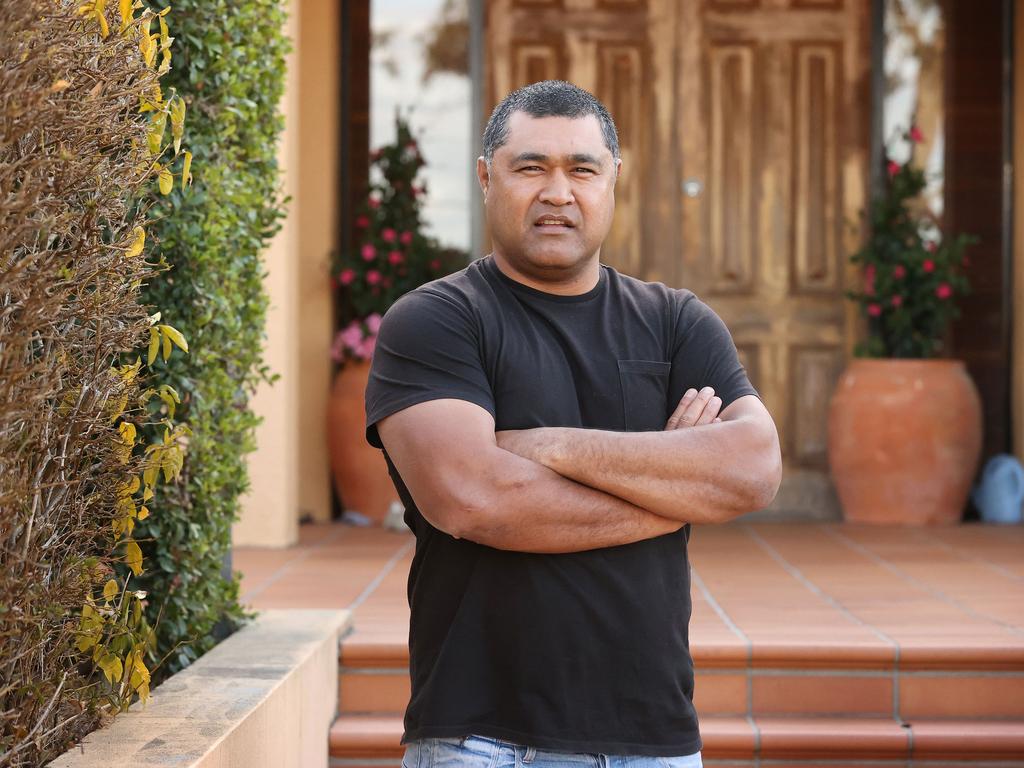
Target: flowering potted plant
[904, 424]
[392, 256]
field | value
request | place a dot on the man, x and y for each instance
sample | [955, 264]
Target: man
[523, 405]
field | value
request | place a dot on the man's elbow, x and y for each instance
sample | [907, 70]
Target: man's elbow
[469, 506]
[760, 475]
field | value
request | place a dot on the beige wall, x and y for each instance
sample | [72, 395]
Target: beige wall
[318, 66]
[290, 469]
[1017, 393]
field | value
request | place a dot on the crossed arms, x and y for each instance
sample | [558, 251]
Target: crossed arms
[555, 489]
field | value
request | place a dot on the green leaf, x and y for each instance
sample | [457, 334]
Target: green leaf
[110, 590]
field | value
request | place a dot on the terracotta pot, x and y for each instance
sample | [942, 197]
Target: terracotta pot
[360, 473]
[904, 440]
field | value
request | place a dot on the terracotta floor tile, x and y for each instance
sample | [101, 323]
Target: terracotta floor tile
[727, 737]
[822, 694]
[968, 739]
[936, 695]
[383, 692]
[826, 737]
[720, 693]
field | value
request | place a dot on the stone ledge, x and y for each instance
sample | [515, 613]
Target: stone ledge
[265, 696]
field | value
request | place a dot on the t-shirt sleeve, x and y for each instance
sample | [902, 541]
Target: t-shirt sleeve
[427, 349]
[705, 355]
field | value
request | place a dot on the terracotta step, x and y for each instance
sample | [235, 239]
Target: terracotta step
[885, 742]
[787, 680]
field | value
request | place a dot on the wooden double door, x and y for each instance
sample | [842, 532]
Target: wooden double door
[744, 129]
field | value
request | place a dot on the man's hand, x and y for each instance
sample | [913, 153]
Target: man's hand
[696, 408]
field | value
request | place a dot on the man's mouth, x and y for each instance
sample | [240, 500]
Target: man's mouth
[553, 222]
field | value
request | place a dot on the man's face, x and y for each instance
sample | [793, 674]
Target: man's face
[550, 169]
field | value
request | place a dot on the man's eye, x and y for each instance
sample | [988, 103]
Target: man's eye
[530, 168]
[588, 170]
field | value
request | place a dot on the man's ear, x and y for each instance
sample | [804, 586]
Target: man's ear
[482, 174]
[618, 167]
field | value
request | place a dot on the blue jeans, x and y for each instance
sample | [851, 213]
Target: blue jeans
[486, 752]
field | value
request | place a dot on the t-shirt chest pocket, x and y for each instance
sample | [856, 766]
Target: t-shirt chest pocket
[644, 394]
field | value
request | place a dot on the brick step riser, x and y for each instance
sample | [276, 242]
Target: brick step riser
[782, 692]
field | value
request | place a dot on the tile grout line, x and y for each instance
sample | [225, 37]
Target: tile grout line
[797, 574]
[952, 601]
[703, 587]
[971, 558]
[388, 567]
[281, 571]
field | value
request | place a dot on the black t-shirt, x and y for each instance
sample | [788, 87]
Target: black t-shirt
[584, 651]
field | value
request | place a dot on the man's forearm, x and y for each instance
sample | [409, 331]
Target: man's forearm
[526, 507]
[701, 474]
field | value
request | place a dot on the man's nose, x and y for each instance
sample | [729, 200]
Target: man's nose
[557, 190]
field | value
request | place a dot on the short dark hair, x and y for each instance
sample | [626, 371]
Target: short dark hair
[548, 98]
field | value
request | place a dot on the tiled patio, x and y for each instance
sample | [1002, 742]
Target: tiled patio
[812, 642]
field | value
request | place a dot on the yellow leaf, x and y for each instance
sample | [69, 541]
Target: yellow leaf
[154, 345]
[150, 53]
[59, 85]
[104, 28]
[133, 557]
[139, 243]
[166, 181]
[85, 642]
[112, 667]
[147, 494]
[186, 170]
[127, 431]
[165, 65]
[176, 336]
[143, 512]
[167, 343]
[124, 7]
[118, 406]
[149, 475]
[110, 590]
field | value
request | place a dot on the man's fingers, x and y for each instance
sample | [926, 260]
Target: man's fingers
[695, 408]
[677, 414]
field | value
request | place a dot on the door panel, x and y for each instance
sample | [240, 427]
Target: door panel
[743, 127]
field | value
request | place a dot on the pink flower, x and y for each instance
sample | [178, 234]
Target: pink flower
[395, 257]
[388, 235]
[405, 238]
[893, 167]
[362, 221]
[874, 309]
[374, 202]
[365, 350]
[435, 264]
[373, 277]
[373, 323]
[928, 265]
[369, 252]
[897, 300]
[944, 290]
[931, 246]
[898, 271]
[915, 134]
[346, 276]
[352, 335]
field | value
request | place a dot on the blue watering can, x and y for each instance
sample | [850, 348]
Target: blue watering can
[1000, 492]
